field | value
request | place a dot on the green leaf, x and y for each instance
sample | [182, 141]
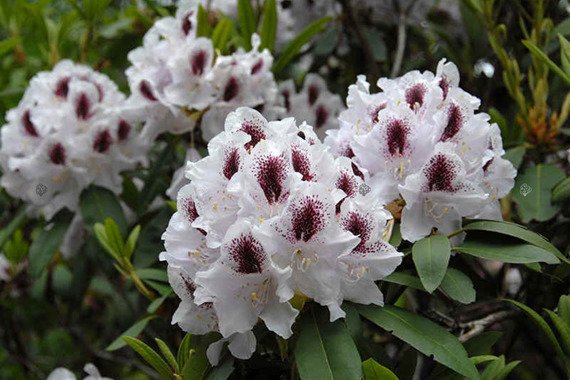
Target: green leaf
[222, 371]
[516, 231]
[431, 257]
[98, 204]
[564, 53]
[298, 42]
[203, 28]
[515, 155]
[222, 33]
[533, 190]
[132, 242]
[246, 21]
[541, 56]
[541, 323]
[103, 240]
[167, 354]
[483, 343]
[17, 221]
[325, 350]
[132, 331]
[45, 245]
[114, 236]
[154, 305]
[562, 327]
[153, 274]
[396, 238]
[374, 371]
[197, 363]
[8, 44]
[405, 279]
[268, 25]
[150, 356]
[564, 308]
[561, 192]
[422, 334]
[183, 350]
[458, 286]
[507, 252]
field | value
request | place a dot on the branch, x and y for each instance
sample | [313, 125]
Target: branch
[478, 326]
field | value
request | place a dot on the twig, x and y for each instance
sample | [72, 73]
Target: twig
[478, 326]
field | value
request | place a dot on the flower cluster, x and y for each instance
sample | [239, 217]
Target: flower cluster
[176, 78]
[66, 134]
[270, 214]
[314, 104]
[423, 142]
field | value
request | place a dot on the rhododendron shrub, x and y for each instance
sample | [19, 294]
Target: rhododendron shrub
[256, 189]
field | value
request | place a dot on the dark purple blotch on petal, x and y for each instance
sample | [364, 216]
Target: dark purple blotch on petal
[308, 218]
[454, 122]
[231, 90]
[440, 174]
[28, 125]
[57, 154]
[247, 253]
[102, 141]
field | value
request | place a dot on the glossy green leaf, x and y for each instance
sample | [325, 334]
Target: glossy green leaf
[298, 42]
[268, 25]
[541, 323]
[375, 371]
[183, 350]
[223, 370]
[132, 331]
[166, 353]
[246, 21]
[325, 350]
[422, 334]
[405, 279]
[131, 242]
[45, 245]
[153, 274]
[541, 56]
[458, 286]
[197, 364]
[98, 204]
[507, 252]
[516, 231]
[564, 308]
[561, 191]
[431, 257]
[515, 155]
[150, 356]
[532, 192]
[154, 305]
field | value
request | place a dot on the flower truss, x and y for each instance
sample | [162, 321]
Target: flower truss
[423, 142]
[270, 214]
[66, 134]
[314, 104]
[177, 78]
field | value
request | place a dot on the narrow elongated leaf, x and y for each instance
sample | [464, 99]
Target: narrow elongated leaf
[153, 274]
[221, 34]
[431, 257]
[564, 308]
[540, 55]
[150, 356]
[97, 204]
[458, 286]
[246, 19]
[533, 192]
[132, 242]
[422, 334]
[325, 350]
[562, 327]
[516, 231]
[375, 371]
[167, 354]
[132, 331]
[561, 192]
[564, 53]
[203, 28]
[298, 42]
[541, 323]
[197, 365]
[47, 243]
[268, 25]
[507, 252]
[183, 350]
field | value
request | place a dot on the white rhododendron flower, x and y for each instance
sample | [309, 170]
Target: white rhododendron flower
[62, 373]
[67, 133]
[314, 104]
[269, 214]
[175, 78]
[423, 142]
